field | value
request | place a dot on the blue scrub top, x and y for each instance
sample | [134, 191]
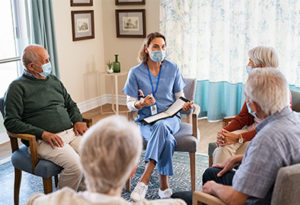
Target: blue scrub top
[171, 82]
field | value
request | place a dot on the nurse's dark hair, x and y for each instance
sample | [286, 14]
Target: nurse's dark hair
[143, 56]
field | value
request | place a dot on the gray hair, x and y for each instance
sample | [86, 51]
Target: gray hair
[30, 55]
[268, 88]
[264, 55]
[109, 151]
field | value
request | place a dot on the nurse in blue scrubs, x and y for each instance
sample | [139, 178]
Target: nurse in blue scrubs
[152, 87]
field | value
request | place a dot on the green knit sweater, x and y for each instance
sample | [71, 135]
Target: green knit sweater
[33, 106]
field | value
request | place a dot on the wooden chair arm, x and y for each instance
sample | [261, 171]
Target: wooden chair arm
[226, 120]
[201, 197]
[196, 111]
[32, 146]
[88, 121]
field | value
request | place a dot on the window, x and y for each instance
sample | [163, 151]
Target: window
[13, 39]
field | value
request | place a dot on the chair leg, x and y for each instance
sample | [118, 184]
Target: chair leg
[56, 180]
[193, 169]
[18, 177]
[210, 162]
[128, 184]
[47, 185]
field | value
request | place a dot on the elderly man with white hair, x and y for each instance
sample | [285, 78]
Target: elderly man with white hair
[234, 138]
[109, 154]
[276, 145]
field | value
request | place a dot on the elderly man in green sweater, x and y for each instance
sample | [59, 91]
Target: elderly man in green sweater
[38, 103]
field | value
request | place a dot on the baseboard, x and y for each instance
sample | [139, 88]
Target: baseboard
[99, 101]
[7, 159]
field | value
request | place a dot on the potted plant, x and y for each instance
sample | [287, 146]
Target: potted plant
[110, 67]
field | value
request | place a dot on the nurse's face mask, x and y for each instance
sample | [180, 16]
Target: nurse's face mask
[158, 56]
[157, 50]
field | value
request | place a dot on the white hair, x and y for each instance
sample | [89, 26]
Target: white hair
[109, 151]
[30, 55]
[268, 88]
[264, 55]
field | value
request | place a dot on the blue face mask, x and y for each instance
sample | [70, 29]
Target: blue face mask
[158, 56]
[250, 111]
[248, 68]
[46, 70]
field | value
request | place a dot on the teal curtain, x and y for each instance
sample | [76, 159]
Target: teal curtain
[42, 29]
[219, 99]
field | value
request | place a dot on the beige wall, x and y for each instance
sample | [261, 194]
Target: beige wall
[81, 62]
[127, 48]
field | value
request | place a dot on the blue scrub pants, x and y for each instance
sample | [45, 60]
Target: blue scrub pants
[161, 143]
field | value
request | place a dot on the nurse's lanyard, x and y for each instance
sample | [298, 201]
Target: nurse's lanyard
[153, 108]
[158, 77]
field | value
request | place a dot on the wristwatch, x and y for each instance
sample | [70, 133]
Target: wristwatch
[241, 139]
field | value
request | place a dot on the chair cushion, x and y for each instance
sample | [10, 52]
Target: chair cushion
[211, 148]
[21, 159]
[185, 141]
[286, 189]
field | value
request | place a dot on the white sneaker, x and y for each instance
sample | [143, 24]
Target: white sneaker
[165, 194]
[139, 192]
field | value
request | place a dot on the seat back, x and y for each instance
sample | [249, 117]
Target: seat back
[295, 100]
[190, 88]
[189, 91]
[286, 189]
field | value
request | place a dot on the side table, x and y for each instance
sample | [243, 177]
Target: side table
[115, 77]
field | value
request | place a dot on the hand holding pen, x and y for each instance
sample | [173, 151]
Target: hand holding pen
[144, 101]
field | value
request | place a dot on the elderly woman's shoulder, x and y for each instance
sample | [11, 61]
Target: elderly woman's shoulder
[161, 201]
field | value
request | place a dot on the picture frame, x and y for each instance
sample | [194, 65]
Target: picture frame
[81, 2]
[130, 2]
[83, 25]
[131, 23]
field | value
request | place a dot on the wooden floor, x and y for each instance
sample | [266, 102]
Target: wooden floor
[207, 129]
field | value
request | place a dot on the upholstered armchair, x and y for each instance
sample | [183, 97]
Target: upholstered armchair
[188, 136]
[295, 106]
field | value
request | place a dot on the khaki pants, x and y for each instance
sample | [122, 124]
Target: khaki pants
[66, 157]
[221, 154]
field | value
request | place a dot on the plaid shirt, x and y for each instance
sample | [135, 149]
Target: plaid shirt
[276, 145]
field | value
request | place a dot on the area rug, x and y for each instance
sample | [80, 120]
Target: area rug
[179, 182]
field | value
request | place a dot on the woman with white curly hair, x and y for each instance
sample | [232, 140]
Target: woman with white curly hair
[109, 154]
[233, 139]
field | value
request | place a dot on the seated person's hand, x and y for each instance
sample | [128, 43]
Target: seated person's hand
[148, 100]
[220, 139]
[52, 139]
[228, 164]
[208, 187]
[187, 106]
[145, 101]
[225, 137]
[230, 138]
[79, 128]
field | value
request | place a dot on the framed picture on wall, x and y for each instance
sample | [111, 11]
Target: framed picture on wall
[81, 2]
[131, 23]
[130, 2]
[83, 25]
